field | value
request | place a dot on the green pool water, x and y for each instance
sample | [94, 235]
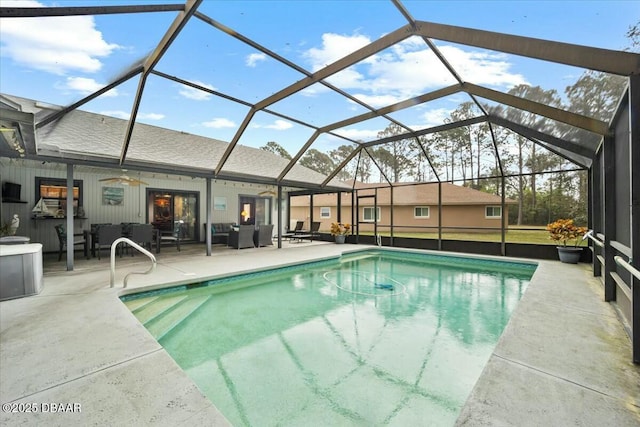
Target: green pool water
[376, 338]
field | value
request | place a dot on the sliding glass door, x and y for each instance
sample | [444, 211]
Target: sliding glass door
[167, 206]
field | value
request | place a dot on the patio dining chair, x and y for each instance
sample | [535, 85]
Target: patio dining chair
[106, 235]
[173, 236]
[78, 239]
[141, 234]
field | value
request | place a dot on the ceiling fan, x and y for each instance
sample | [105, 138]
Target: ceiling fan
[123, 180]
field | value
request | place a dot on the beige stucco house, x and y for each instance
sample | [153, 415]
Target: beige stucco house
[415, 208]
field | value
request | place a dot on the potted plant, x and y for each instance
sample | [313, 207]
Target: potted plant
[340, 231]
[565, 231]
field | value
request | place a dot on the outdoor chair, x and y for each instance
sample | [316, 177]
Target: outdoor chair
[296, 230]
[314, 232]
[173, 236]
[264, 236]
[141, 234]
[106, 235]
[315, 229]
[243, 238]
[126, 228]
[78, 239]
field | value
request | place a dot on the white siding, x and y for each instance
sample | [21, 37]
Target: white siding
[132, 210]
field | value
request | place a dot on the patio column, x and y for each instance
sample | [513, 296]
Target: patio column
[634, 190]
[609, 217]
[209, 205]
[505, 219]
[279, 219]
[595, 211]
[69, 214]
[439, 215]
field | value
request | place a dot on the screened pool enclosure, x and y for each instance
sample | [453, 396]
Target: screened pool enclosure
[420, 134]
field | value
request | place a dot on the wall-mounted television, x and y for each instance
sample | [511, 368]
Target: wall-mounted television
[11, 192]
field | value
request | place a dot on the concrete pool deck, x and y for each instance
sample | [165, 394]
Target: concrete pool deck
[564, 358]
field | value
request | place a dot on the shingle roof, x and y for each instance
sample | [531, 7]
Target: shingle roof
[413, 195]
[94, 135]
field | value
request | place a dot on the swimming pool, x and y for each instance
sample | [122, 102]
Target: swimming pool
[373, 338]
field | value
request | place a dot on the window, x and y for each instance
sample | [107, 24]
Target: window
[51, 196]
[493, 212]
[368, 214]
[421, 212]
[325, 212]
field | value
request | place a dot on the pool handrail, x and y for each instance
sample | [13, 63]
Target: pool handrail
[624, 264]
[589, 235]
[113, 260]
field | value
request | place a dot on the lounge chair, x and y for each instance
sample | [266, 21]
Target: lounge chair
[314, 232]
[296, 230]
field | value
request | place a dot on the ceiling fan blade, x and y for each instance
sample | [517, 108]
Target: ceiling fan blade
[124, 180]
[133, 181]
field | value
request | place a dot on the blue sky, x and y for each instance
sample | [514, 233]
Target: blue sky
[61, 60]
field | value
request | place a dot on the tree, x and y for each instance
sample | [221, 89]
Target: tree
[526, 153]
[337, 156]
[274, 147]
[634, 37]
[595, 94]
[365, 165]
[395, 158]
[318, 161]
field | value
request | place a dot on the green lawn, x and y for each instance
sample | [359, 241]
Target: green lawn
[537, 235]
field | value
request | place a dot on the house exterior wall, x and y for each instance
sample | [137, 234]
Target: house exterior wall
[134, 208]
[470, 216]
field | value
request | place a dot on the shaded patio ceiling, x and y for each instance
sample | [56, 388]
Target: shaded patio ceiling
[580, 151]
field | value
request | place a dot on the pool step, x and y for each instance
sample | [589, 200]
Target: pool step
[138, 303]
[161, 305]
[179, 312]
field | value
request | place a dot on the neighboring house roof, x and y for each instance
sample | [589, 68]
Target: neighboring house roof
[409, 195]
[84, 136]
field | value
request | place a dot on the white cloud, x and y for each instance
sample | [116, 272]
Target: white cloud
[117, 114]
[334, 47]
[196, 94]
[359, 134]
[483, 68]
[254, 58]
[86, 86]
[276, 125]
[279, 125]
[151, 116]
[435, 117]
[219, 123]
[378, 100]
[407, 69]
[56, 45]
